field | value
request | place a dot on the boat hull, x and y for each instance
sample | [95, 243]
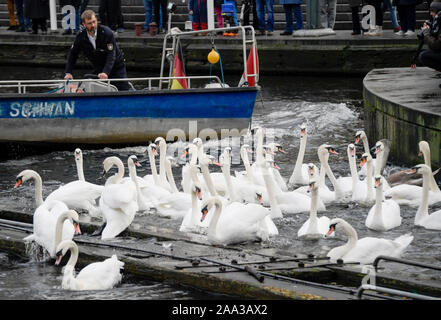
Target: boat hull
[125, 117]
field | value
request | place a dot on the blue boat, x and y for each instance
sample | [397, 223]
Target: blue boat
[91, 111]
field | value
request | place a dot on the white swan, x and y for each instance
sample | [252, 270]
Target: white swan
[382, 150]
[300, 174]
[235, 224]
[102, 275]
[409, 194]
[327, 195]
[191, 221]
[422, 217]
[276, 147]
[76, 194]
[248, 174]
[144, 202]
[364, 250]
[361, 135]
[314, 227]
[52, 223]
[384, 215]
[118, 202]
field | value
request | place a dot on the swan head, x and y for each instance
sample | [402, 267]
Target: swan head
[197, 190]
[160, 141]
[62, 248]
[311, 169]
[420, 168]
[351, 150]
[259, 198]
[109, 162]
[366, 157]
[245, 148]
[359, 135]
[24, 176]
[273, 164]
[256, 129]
[267, 149]
[313, 185]
[335, 225]
[171, 161]
[326, 149]
[74, 217]
[154, 148]
[378, 181]
[209, 159]
[133, 160]
[78, 154]
[379, 146]
[422, 146]
[197, 142]
[208, 204]
[303, 130]
[276, 147]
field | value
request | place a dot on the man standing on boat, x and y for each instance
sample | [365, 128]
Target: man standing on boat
[98, 44]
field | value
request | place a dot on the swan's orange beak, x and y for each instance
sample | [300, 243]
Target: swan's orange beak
[184, 155]
[137, 164]
[198, 193]
[59, 257]
[352, 152]
[302, 133]
[275, 166]
[420, 154]
[357, 140]
[331, 150]
[311, 171]
[204, 213]
[377, 183]
[411, 171]
[259, 198]
[377, 150]
[18, 182]
[280, 149]
[362, 162]
[330, 231]
[217, 163]
[77, 228]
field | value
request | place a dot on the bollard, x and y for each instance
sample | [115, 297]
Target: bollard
[138, 28]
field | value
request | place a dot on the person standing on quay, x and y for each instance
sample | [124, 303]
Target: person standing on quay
[407, 14]
[261, 7]
[13, 23]
[328, 11]
[157, 18]
[355, 7]
[110, 14]
[290, 7]
[431, 34]
[378, 30]
[98, 44]
[38, 12]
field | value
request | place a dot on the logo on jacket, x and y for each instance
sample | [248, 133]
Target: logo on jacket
[110, 46]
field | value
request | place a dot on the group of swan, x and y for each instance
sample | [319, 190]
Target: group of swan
[226, 207]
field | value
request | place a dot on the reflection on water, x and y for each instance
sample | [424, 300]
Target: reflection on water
[332, 109]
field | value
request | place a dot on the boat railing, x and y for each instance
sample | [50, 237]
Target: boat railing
[100, 85]
[245, 35]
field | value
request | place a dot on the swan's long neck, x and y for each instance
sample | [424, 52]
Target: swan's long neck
[365, 144]
[80, 171]
[275, 210]
[208, 180]
[298, 167]
[352, 236]
[73, 255]
[162, 155]
[231, 192]
[369, 193]
[213, 222]
[194, 155]
[337, 190]
[427, 161]
[246, 162]
[423, 209]
[153, 166]
[379, 205]
[59, 227]
[134, 177]
[313, 221]
[194, 208]
[38, 188]
[170, 178]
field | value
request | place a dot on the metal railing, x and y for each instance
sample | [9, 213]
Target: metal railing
[24, 85]
[395, 292]
[408, 262]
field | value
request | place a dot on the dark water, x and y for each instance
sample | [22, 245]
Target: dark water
[332, 108]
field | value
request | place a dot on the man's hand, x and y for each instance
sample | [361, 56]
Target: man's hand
[68, 76]
[103, 76]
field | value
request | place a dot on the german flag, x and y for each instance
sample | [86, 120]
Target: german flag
[178, 70]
